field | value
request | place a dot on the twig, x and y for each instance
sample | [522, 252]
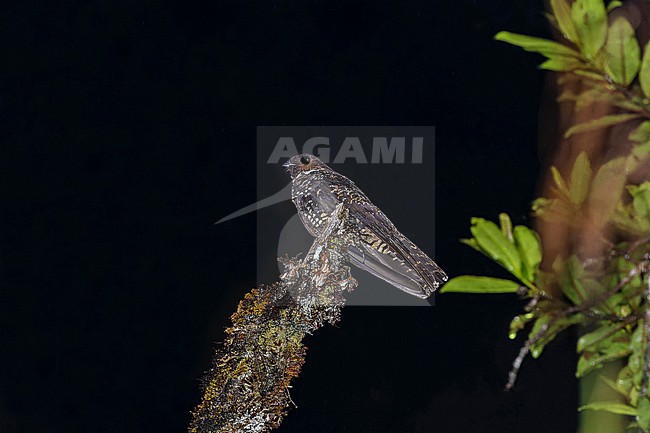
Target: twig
[516, 364]
[636, 244]
[289, 397]
[642, 108]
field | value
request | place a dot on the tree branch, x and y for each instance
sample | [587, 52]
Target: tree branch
[247, 388]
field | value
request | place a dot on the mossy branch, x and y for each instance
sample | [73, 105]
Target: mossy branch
[247, 388]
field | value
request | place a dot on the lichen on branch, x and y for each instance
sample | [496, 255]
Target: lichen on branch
[247, 388]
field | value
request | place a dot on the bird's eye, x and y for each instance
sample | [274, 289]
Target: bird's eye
[304, 160]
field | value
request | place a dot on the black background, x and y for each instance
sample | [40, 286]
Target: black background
[129, 128]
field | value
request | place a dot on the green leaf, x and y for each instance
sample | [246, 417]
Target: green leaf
[473, 284]
[610, 406]
[551, 19]
[621, 52]
[627, 223]
[610, 304]
[643, 413]
[642, 204]
[601, 122]
[573, 286]
[472, 243]
[562, 64]
[636, 360]
[594, 94]
[552, 331]
[536, 45]
[624, 381]
[641, 199]
[518, 323]
[613, 5]
[607, 188]
[590, 20]
[496, 246]
[597, 336]
[562, 12]
[580, 179]
[591, 75]
[644, 72]
[560, 267]
[537, 348]
[559, 182]
[592, 361]
[642, 133]
[553, 210]
[617, 343]
[530, 250]
[641, 151]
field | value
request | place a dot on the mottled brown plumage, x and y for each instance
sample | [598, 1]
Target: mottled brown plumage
[379, 248]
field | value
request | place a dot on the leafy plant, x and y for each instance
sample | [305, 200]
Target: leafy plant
[611, 305]
[603, 52]
[608, 296]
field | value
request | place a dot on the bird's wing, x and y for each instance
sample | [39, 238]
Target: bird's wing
[388, 254]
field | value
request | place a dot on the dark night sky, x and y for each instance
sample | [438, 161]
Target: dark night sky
[129, 128]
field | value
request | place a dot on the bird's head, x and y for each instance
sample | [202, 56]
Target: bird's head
[303, 163]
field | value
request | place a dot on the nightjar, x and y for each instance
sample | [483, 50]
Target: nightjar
[380, 248]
